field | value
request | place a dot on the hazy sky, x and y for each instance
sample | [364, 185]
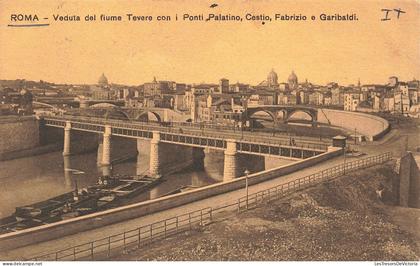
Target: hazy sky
[134, 52]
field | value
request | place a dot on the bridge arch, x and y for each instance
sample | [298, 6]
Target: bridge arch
[261, 110]
[115, 114]
[103, 105]
[144, 116]
[44, 104]
[307, 113]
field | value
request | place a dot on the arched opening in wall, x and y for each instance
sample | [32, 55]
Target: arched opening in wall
[103, 105]
[115, 114]
[148, 117]
[262, 119]
[40, 105]
[300, 117]
[44, 108]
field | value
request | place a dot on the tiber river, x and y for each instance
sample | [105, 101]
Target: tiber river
[32, 179]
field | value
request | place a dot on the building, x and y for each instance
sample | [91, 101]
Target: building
[198, 89]
[283, 87]
[14, 102]
[389, 103]
[179, 87]
[223, 86]
[316, 98]
[100, 92]
[337, 96]
[392, 81]
[156, 88]
[286, 98]
[136, 100]
[217, 108]
[351, 100]
[179, 102]
[272, 79]
[413, 95]
[327, 99]
[293, 81]
[414, 111]
[239, 88]
[102, 81]
[302, 97]
[401, 103]
[403, 88]
[262, 98]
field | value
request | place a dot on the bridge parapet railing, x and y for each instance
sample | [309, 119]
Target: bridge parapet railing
[146, 234]
[239, 136]
[134, 238]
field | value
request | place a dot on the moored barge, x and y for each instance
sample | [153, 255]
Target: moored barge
[108, 192]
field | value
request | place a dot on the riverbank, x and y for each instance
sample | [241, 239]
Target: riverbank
[19, 134]
[340, 220]
[31, 152]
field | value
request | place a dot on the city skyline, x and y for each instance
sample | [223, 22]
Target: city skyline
[285, 81]
[190, 52]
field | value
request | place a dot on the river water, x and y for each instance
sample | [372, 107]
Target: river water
[28, 180]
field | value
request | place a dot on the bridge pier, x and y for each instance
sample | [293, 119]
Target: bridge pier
[99, 153]
[106, 146]
[155, 164]
[198, 158]
[67, 139]
[106, 170]
[138, 160]
[68, 178]
[230, 167]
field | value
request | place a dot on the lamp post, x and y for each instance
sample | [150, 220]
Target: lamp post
[246, 186]
[344, 159]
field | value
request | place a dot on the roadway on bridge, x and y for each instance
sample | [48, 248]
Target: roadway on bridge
[200, 130]
[219, 200]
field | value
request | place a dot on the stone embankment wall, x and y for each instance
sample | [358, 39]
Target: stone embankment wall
[24, 136]
[371, 126]
[172, 115]
[18, 134]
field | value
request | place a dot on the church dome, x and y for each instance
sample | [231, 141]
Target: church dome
[103, 81]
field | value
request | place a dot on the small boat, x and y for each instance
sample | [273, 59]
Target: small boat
[25, 212]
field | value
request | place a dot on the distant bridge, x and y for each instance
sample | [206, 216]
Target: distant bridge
[282, 113]
[75, 102]
[109, 111]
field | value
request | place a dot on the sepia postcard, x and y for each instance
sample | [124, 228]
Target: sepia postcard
[210, 130]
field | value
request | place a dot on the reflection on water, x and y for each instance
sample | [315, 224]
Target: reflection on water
[28, 180]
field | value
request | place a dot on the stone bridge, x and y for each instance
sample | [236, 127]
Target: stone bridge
[162, 141]
[143, 114]
[76, 102]
[282, 113]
